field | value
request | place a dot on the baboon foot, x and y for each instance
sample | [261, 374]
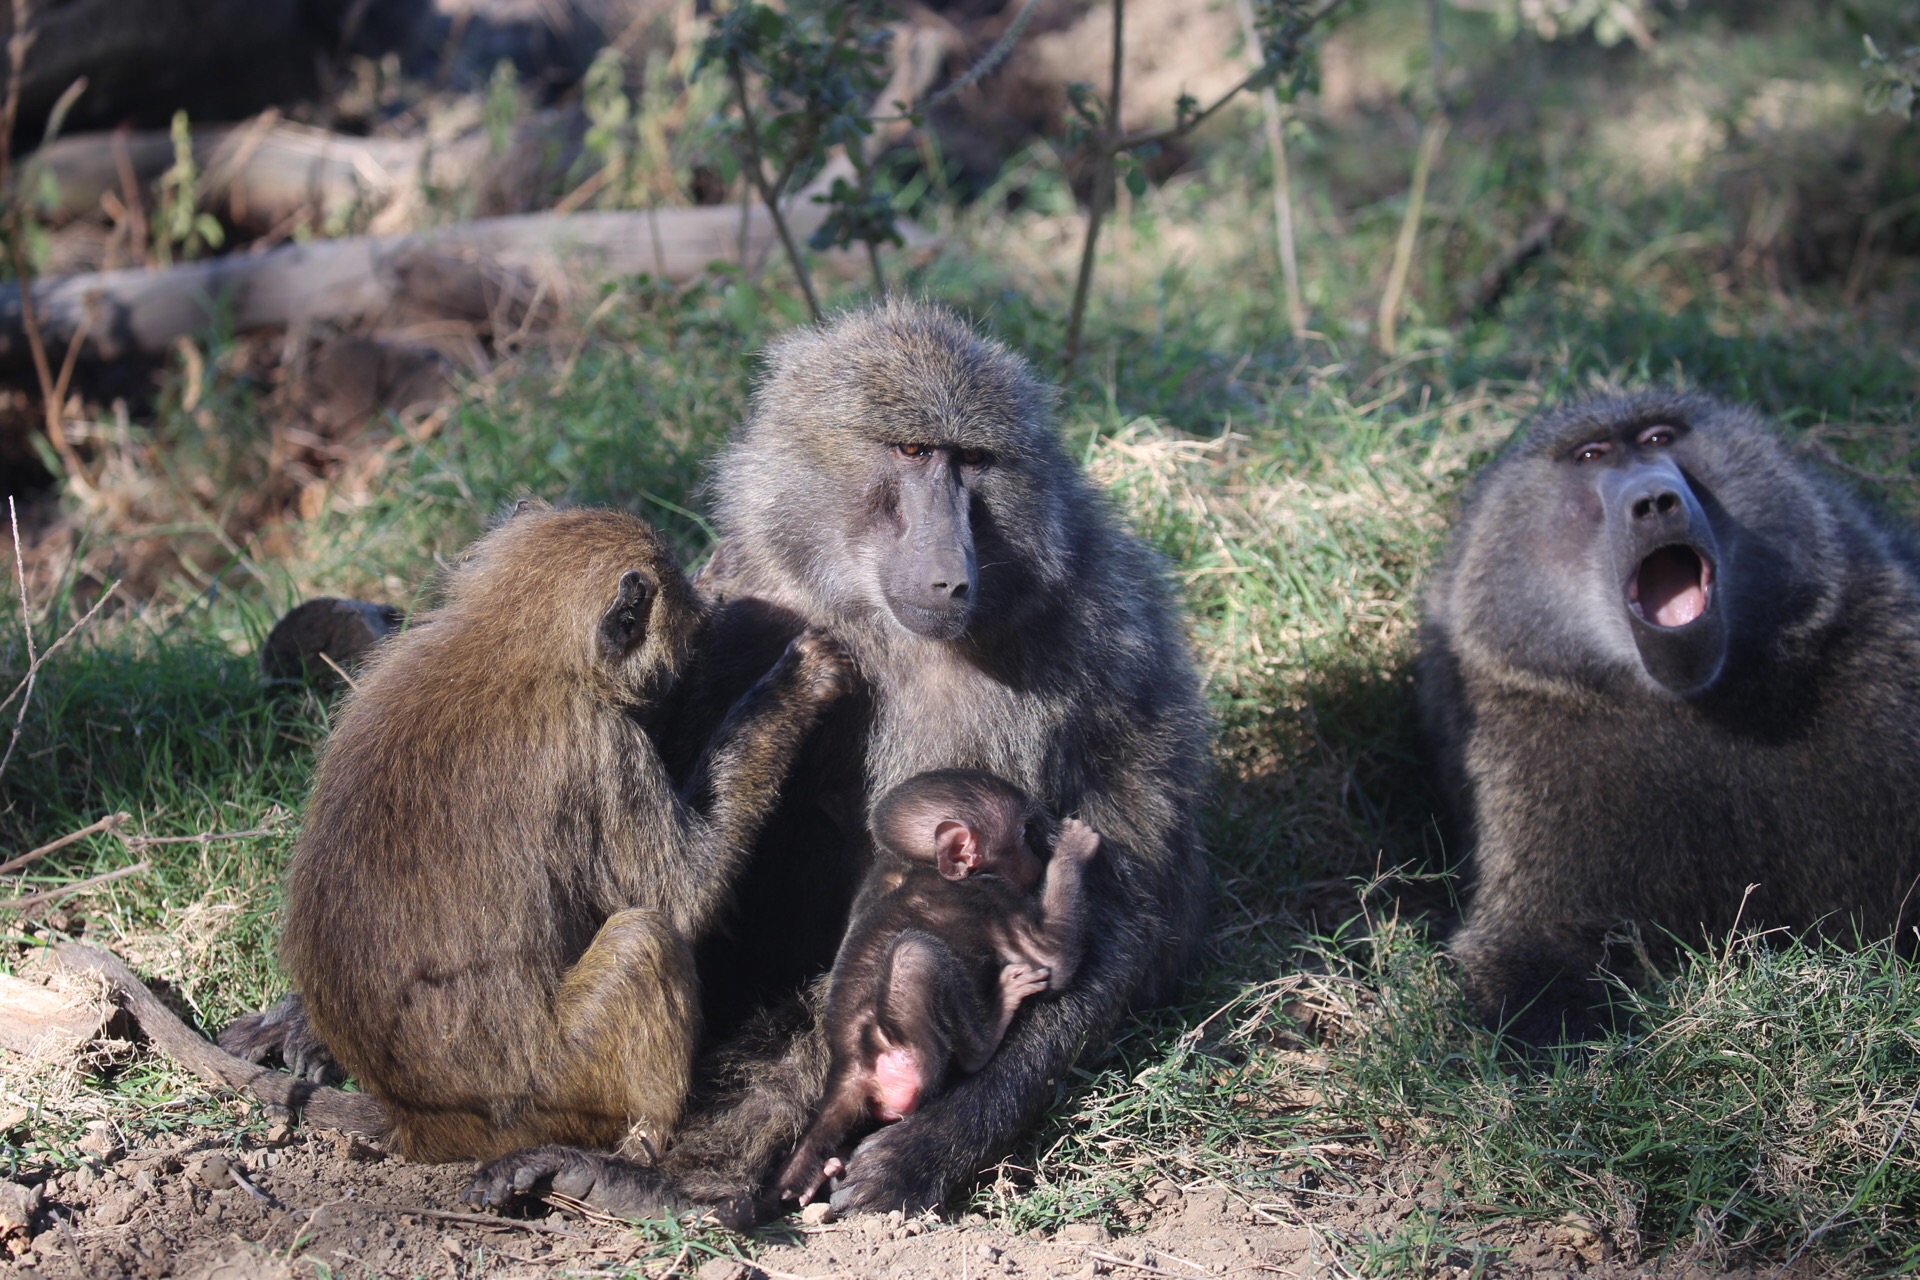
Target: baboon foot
[605, 1182]
[282, 1031]
[899, 1167]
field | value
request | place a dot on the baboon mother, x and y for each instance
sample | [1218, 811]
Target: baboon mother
[898, 483]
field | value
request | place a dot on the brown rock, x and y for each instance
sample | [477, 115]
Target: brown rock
[18, 1204]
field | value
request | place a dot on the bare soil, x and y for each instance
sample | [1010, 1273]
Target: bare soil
[297, 1203]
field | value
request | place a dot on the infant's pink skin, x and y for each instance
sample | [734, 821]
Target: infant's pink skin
[897, 1082]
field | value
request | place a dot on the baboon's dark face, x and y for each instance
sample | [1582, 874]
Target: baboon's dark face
[1659, 546]
[922, 503]
[1600, 546]
[899, 469]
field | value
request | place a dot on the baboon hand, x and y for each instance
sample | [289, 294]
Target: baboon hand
[1018, 981]
[1077, 842]
[282, 1031]
[825, 670]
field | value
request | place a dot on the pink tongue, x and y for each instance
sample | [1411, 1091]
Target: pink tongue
[1671, 593]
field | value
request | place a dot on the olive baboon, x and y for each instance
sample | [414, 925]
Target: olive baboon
[492, 907]
[898, 484]
[949, 937]
[1663, 662]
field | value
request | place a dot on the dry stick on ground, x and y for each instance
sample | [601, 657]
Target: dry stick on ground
[320, 1105]
[47, 897]
[24, 690]
[1497, 279]
[1282, 183]
[107, 823]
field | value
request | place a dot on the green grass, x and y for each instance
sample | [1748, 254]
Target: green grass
[1298, 492]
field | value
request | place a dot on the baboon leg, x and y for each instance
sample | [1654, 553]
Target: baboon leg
[914, 1164]
[930, 1014]
[1538, 988]
[625, 1022]
[627, 1018]
[849, 1089]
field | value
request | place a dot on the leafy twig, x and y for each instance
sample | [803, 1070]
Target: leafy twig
[769, 192]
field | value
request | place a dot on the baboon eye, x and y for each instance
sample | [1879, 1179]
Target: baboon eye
[975, 457]
[1591, 451]
[1661, 435]
[913, 450]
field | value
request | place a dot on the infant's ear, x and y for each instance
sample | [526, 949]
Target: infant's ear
[624, 624]
[956, 849]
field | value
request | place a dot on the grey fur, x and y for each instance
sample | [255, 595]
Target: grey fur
[1592, 790]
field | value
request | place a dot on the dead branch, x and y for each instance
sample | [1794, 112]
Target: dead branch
[47, 897]
[107, 823]
[320, 1105]
[490, 268]
[269, 173]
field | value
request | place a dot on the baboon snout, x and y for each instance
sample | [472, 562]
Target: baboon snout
[1664, 503]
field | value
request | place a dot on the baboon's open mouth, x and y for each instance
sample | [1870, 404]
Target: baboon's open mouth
[1672, 587]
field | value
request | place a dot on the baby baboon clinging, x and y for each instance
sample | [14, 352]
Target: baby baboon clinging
[491, 909]
[898, 483]
[1662, 662]
[948, 938]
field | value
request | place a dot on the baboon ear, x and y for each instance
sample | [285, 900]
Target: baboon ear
[956, 849]
[625, 622]
[523, 506]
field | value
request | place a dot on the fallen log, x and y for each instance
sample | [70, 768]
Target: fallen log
[267, 173]
[497, 270]
[320, 1105]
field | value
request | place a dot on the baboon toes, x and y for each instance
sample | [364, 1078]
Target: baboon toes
[604, 1182]
[891, 1171]
[282, 1031]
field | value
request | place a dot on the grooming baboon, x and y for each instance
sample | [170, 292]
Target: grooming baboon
[948, 937]
[492, 908]
[1663, 662]
[898, 483]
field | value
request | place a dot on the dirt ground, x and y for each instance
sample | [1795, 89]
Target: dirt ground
[325, 1204]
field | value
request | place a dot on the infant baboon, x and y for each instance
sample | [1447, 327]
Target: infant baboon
[948, 937]
[1662, 661]
[491, 909]
[900, 484]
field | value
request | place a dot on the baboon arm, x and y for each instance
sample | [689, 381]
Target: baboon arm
[738, 779]
[1063, 927]
[326, 1107]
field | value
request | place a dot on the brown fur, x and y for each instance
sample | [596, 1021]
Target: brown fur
[491, 909]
